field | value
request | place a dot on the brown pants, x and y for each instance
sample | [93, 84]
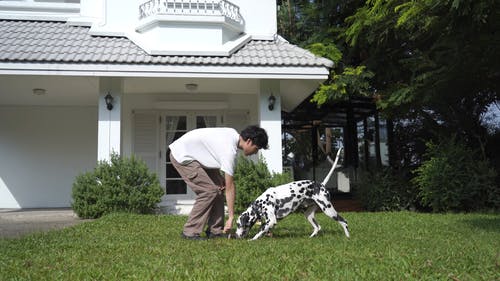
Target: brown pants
[209, 205]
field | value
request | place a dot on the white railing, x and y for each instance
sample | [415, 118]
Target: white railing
[190, 7]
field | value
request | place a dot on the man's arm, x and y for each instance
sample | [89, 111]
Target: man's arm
[230, 197]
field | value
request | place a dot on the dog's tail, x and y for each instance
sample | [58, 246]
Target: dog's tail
[334, 165]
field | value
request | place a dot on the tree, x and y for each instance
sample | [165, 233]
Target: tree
[317, 25]
[432, 65]
[438, 60]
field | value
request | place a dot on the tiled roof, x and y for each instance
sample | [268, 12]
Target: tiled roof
[57, 42]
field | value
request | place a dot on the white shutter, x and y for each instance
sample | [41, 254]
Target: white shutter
[145, 144]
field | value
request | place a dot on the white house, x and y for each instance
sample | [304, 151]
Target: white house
[169, 66]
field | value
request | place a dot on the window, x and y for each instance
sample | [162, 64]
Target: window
[174, 127]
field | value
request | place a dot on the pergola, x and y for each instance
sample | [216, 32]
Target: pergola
[347, 114]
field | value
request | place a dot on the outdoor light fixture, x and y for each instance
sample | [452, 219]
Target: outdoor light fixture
[109, 101]
[272, 101]
[39, 91]
[191, 86]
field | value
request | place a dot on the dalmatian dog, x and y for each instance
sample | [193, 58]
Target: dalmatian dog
[278, 202]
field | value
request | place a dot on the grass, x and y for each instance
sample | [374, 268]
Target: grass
[383, 246]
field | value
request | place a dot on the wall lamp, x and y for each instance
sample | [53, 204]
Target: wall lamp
[39, 91]
[191, 86]
[109, 101]
[272, 101]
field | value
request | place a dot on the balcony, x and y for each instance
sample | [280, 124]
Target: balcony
[191, 8]
[190, 27]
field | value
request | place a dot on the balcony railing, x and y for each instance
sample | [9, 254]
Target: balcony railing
[191, 7]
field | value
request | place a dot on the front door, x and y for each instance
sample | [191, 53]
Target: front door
[174, 125]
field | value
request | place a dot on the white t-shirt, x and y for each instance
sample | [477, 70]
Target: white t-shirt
[214, 148]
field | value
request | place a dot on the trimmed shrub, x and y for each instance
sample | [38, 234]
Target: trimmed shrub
[455, 178]
[123, 184]
[386, 190]
[251, 179]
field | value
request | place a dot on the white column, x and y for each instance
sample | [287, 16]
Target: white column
[109, 120]
[270, 120]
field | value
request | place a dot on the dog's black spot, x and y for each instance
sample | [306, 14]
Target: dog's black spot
[302, 190]
[282, 212]
[298, 196]
[283, 201]
[322, 205]
[316, 188]
[340, 218]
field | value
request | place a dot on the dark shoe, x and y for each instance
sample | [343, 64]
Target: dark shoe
[211, 235]
[194, 237]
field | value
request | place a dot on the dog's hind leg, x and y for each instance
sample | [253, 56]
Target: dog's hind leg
[309, 213]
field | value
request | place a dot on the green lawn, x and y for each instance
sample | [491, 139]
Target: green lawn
[383, 246]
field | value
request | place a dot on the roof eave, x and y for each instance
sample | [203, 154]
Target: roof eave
[145, 70]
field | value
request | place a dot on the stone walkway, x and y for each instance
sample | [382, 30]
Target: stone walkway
[15, 223]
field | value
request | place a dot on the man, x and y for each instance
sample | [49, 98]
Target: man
[199, 156]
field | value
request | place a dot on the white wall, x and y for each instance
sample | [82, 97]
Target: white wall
[42, 150]
[260, 17]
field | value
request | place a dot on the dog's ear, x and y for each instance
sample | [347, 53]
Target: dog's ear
[243, 219]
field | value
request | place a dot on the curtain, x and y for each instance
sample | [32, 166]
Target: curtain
[210, 121]
[171, 123]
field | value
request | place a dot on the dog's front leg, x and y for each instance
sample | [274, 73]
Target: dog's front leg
[330, 211]
[270, 222]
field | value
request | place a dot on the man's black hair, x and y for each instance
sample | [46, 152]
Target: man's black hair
[257, 135]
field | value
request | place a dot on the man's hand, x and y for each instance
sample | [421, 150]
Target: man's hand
[229, 225]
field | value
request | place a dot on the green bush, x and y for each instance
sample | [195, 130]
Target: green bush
[386, 190]
[455, 178]
[123, 184]
[251, 179]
